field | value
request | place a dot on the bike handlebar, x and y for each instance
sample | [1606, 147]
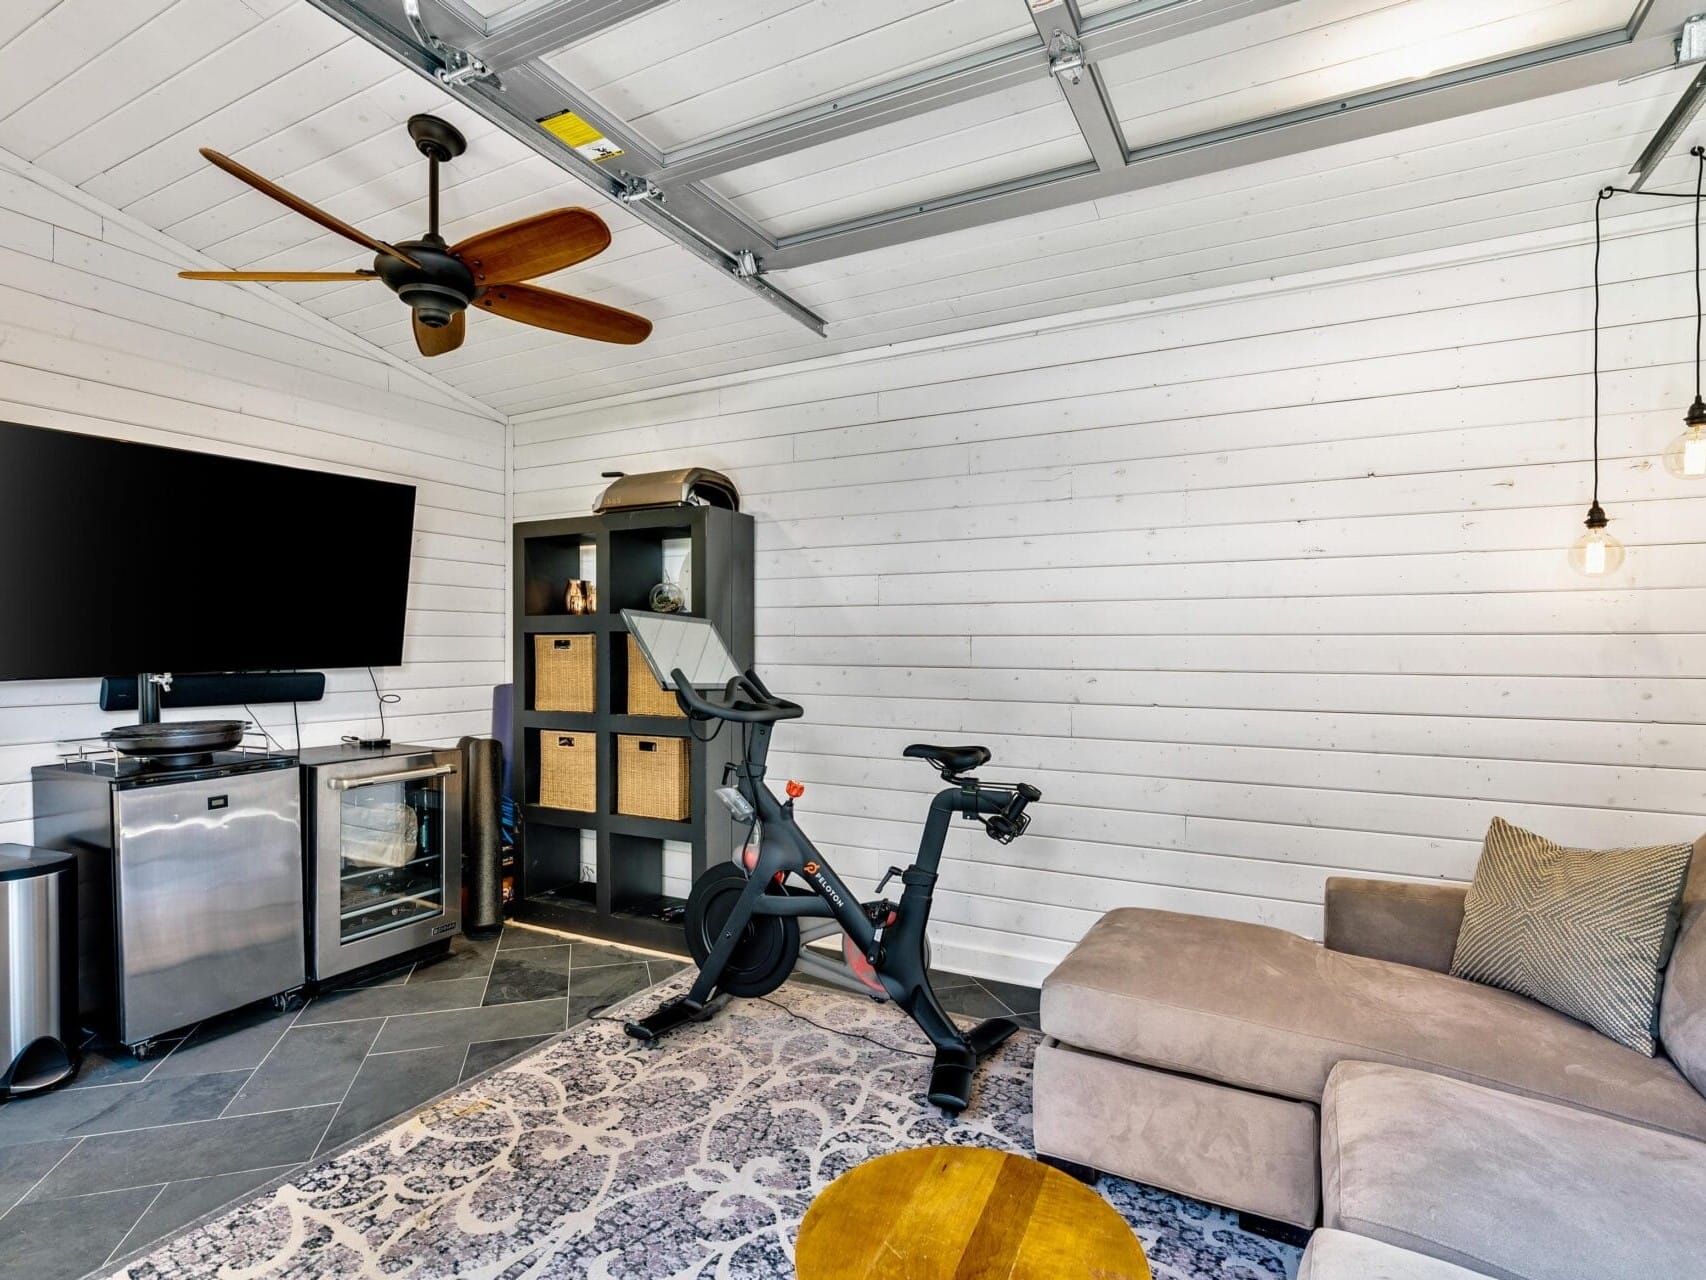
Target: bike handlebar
[1010, 822]
[760, 706]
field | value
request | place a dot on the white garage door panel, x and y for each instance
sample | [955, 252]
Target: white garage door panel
[972, 144]
[667, 73]
[1317, 50]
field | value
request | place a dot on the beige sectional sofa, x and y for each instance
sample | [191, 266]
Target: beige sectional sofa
[1438, 1128]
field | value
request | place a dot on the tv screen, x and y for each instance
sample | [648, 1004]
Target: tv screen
[118, 558]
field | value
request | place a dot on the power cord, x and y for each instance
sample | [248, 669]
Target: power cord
[384, 699]
[711, 737]
[265, 732]
[838, 1031]
[384, 739]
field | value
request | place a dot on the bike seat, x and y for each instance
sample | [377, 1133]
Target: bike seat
[948, 760]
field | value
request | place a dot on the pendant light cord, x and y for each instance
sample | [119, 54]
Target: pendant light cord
[1596, 517]
[1697, 195]
[1699, 179]
[1598, 240]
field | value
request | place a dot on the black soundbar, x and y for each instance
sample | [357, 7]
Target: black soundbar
[224, 689]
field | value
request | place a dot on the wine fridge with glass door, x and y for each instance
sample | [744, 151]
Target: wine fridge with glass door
[383, 829]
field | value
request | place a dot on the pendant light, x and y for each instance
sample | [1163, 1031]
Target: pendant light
[1686, 457]
[1596, 553]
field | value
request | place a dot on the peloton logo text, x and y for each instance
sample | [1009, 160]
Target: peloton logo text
[824, 887]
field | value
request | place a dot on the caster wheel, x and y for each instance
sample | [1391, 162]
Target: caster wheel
[285, 1001]
[145, 1049]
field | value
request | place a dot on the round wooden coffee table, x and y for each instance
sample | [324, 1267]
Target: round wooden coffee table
[963, 1213]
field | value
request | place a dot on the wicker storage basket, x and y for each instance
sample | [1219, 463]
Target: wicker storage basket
[563, 673]
[568, 770]
[652, 777]
[646, 697]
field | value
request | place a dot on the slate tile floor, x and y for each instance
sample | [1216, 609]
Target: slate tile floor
[134, 1149]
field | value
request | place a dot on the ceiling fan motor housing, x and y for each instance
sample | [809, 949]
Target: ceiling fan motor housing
[437, 289]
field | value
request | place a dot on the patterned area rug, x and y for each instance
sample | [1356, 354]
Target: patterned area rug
[592, 1158]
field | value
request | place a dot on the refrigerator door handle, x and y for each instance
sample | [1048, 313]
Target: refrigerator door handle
[375, 779]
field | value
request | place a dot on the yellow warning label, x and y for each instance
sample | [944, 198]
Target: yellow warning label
[577, 133]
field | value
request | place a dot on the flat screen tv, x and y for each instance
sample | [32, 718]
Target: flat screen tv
[117, 558]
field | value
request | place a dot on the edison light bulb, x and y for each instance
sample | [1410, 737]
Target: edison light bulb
[1686, 457]
[1596, 553]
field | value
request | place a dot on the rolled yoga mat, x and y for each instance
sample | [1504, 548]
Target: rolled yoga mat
[482, 836]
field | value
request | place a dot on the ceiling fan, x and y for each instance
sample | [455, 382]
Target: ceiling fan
[439, 282]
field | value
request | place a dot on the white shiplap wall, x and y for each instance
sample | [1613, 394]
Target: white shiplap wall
[1258, 585]
[97, 335]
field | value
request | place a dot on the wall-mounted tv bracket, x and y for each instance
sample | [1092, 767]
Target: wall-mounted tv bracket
[149, 686]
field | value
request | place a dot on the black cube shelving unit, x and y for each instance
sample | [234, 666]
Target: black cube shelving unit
[623, 900]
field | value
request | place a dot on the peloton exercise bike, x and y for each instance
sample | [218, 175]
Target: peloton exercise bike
[743, 922]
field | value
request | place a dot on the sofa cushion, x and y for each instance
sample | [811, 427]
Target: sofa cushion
[1682, 1009]
[1513, 1187]
[1585, 931]
[1398, 920]
[1265, 1009]
[1338, 1255]
[1231, 1147]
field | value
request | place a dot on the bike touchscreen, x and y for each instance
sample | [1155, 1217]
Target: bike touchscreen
[670, 641]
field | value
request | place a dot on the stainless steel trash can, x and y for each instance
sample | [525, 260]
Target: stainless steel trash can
[38, 987]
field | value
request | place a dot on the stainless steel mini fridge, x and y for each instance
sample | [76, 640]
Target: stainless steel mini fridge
[383, 834]
[189, 892]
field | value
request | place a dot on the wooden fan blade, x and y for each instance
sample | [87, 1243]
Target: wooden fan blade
[544, 309]
[288, 277]
[534, 246]
[435, 342]
[311, 212]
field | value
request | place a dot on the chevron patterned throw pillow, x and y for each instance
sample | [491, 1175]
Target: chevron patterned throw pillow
[1584, 931]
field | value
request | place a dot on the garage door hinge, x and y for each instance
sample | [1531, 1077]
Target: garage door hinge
[1691, 45]
[1065, 56]
[459, 68]
[635, 190]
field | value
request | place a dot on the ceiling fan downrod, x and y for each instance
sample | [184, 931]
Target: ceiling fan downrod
[439, 141]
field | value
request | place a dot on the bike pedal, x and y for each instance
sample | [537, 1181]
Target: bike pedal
[880, 913]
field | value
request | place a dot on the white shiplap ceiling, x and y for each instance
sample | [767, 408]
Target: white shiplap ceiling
[116, 98]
